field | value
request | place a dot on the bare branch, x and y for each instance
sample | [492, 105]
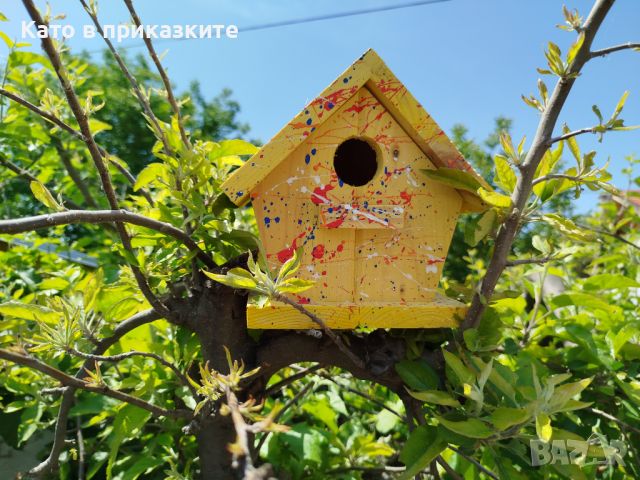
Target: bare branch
[608, 416]
[448, 468]
[330, 333]
[552, 176]
[75, 174]
[69, 381]
[142, 99]
[123, 356]
[616, 48]
[290, 379]
[574, 133]
[617, 236]
[26, 224]
[524, 184]
[528, 261]
[478, 465]
[163, 74]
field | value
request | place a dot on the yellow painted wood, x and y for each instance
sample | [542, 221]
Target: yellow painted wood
[441, 313]
[397, 261]
[372, 71]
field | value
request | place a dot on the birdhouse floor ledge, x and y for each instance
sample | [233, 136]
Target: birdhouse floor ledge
[442, 312]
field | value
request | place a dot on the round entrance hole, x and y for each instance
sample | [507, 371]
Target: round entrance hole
[355, 162]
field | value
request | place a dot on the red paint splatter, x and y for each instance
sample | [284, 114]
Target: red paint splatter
[336, 223]
[340, 247]
[406, 197]
[318, 251]
[319, 195]
[303, 300]
[286, 253]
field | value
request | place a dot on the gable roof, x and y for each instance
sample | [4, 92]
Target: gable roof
[371, 72]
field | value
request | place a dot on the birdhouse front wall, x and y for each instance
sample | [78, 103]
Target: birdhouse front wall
[380, 243]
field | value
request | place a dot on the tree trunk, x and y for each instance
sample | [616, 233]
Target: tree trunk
[218, 316]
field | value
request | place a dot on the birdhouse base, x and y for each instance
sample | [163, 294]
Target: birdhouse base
[442, 312]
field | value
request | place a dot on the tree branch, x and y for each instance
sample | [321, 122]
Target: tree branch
[617, 236]
[524, 184]
[142, 99]
[480, 467]
[163, 75]
[26, 224]
[616, 48]
[574, 133]
[528, 261]
[75, 174]
[330, 333]
[134, 353]
[69, 381]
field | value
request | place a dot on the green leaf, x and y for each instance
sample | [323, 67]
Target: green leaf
[417, 374]
[44, 196]
[127, 421]
[3, 17]
[575, 48]
[235, 278]
[609, 281]
[563, 393]
[543, 427]
[581, 300]
[29, 311]
[471, 427]
[150, 173]
[98, 126]
[294, 285]
[567, 227]
[435, 396]
[494, 198]
[619, 106]
[462, 373]
[478, 228]
[6, 39]
[454, 178]
[423, 445]
[506, 417]
[505, 175]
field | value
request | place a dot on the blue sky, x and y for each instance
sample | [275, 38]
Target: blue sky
[466, 61]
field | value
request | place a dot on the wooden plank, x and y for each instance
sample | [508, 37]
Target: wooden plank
[361, 217]
[441, 313]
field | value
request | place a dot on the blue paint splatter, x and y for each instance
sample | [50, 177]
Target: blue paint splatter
[307, 159]
[308, 121]
[341, 183]
[313, 151]
[267, 220]
[238, 194]
[329, 105]
[277, 219]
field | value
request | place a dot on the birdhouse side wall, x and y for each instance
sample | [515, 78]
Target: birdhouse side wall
[381, 243]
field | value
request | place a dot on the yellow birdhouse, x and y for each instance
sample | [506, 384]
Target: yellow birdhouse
[343, 180]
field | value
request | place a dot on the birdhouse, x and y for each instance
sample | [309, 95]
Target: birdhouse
[343, 180]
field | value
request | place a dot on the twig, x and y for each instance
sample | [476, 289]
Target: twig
[142, 99]
[80, 441]
[123, 356]
[366, 396]
[616, 48]
[448, 468]
[290, 379]
[163, 74]
[524, 184]
[617, 236]
[552, 176]
[292, 401]
[77, 383]
[26, 224]
[355, 468]
[527, 261]
[330, 333]
[478, 465]
[568, 135]
[75, 174]
[608, 416]
[50, 464]
[98, 160]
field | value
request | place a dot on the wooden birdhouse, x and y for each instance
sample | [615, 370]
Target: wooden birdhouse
[343, 180]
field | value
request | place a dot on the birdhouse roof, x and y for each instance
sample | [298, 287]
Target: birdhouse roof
[371, 72]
